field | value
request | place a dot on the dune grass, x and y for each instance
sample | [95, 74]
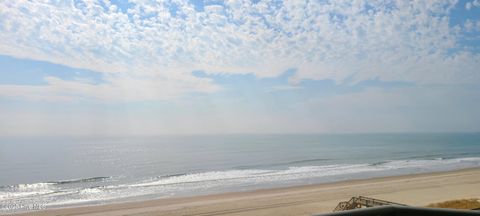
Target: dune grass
[458, 204]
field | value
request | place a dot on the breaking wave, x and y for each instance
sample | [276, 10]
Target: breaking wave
[100, 189]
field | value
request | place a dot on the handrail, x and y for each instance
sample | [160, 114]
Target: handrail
[361, 201]
[380, 201]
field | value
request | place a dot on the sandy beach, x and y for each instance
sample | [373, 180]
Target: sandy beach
[415, 190]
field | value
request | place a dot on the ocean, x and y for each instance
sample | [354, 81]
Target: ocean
[56, 172]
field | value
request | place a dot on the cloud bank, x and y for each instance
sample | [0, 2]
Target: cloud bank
[140, 44]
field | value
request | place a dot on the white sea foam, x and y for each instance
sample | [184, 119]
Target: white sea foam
[90, 191]
[205, 176]
[70, 202]
[25, 190]
[298, 173]
[435, 163]
[34, 186]
[17, 195]
[58, 194]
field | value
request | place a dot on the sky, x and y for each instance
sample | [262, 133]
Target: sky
[146, 67]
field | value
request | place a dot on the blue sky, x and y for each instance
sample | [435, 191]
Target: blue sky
[216, 67]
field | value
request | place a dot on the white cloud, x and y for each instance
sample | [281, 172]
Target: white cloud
[471, 26]
[339, 40]
[471, 4]
[117, 88]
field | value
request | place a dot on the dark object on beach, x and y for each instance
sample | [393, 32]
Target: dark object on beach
[397, 210]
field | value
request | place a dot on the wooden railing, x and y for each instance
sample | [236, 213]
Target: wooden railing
[361, 201]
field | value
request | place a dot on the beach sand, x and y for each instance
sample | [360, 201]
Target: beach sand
[415, 190]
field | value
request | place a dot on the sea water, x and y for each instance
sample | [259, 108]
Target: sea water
[46, 172]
